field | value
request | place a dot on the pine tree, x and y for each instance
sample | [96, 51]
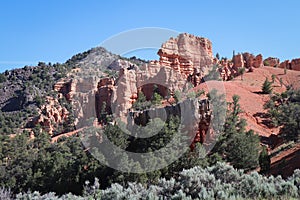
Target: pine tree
[273, 78]
[243, 151]
[267, 87]
[237, 146]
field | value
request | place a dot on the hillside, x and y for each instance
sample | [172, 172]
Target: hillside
[67, 119]
[252, 101]
[25, 92]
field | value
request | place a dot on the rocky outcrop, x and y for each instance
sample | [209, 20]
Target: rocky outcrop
[285, 65]
[258, 61]
[125, 93]
[182, 59]
[272, 62]
[64, 87]
[121, 64]
[238, 61]
[51, 115]
[226, 69]
[187, 53]
[247, 60]
[133, 81]
[293, 65]
[195, 118]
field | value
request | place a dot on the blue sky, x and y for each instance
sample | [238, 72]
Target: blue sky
[54, 30]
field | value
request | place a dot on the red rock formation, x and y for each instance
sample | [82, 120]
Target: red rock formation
[103, 96]
[258, 61]
[186, 53]
[64, 86]
[51, 115]
[273, 62]
[285, 65]
[132, 81]
[238, 61]
[295, 64]
[248, 59]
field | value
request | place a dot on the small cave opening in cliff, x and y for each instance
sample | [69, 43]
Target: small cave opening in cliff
[149, 89]
[154, 96]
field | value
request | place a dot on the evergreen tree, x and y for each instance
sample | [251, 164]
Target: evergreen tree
[243, 151]
[156, 99]
[218, 56]
[264, 160]
[267, 87]
[284, 110]
[235, 145]
[141, 103]
[273, 78]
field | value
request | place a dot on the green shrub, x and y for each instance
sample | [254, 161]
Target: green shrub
[266, 63]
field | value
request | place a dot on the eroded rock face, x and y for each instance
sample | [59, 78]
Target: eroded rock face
[258, 61]
[247, 60]
[195, 116]
[133, 81]
[51, 115]
[285, 65]
[238, 61]
[187, 53]
[64, 86]
[295, 64]
[272, 62]
[184, 59]
[125, 93]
